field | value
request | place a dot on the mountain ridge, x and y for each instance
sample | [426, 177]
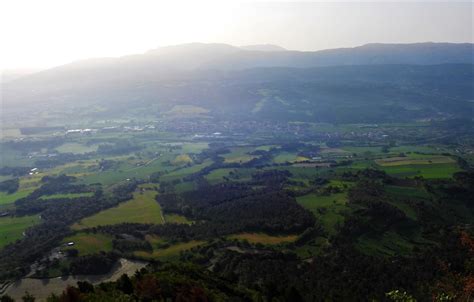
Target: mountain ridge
[225, 56]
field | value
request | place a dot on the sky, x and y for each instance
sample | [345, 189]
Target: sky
[47, 33]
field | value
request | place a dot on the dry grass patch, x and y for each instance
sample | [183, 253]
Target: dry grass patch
[264, 238]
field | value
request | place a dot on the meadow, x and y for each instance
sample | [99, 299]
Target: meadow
[432, 171]
[6, 198]
[89, 243]
[143, 208]
[239, 155]
[174, 218]
[12, 228]
[414, 160]
[67, 195]
[76, 148]
[327, 209]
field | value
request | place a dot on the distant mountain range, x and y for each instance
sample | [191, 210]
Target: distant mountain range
[226, 57]
[197, 73]
[263, 47]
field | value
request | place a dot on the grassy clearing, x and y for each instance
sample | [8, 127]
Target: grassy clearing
[30, 182]
[180, 173]
[127, 169]
[239, 155]
[175, 218]
[390, 244]
[361, 150]
[405, 208]
[68, 195]
[427, 171]
[168, 253]
[194, 147]
[218, 175]
[12, 228]
[287, 157]
[76, 148]
[312, 248]
[6, 198]
[89, 243]
[185, 186]
[143, 208]
[266, 147]
[182, 159]
[409, 192]
[235, 175]
[328, 209]
[418, 160]
[400, 194]
[264, 238]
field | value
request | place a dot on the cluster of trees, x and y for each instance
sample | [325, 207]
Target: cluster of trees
[242, 207]
[57, 215]
[94, 264]
[14, 171]
[10, 186]
[32, 145]
[130, 245]
[342, 273]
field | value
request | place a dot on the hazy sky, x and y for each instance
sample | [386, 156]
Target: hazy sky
[45, 33]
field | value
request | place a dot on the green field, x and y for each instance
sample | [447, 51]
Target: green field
[76, 148]
[236, 175]
[6, 198]
[174, 218]
[12, 228]
[186, 171]
[426, 171]
[143, 208]
[127, 169]
[239, 155]
[218, 175]
[285, 157]
[68, 195]
[194, 147]
[399, 191]
[185, 186]
[89, 243]
[390, 243]
[327, 209]
[414, 160]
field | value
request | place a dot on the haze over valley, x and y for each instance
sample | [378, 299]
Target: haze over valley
[266, 163]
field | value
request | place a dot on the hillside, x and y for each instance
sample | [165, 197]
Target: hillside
[368, 93]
